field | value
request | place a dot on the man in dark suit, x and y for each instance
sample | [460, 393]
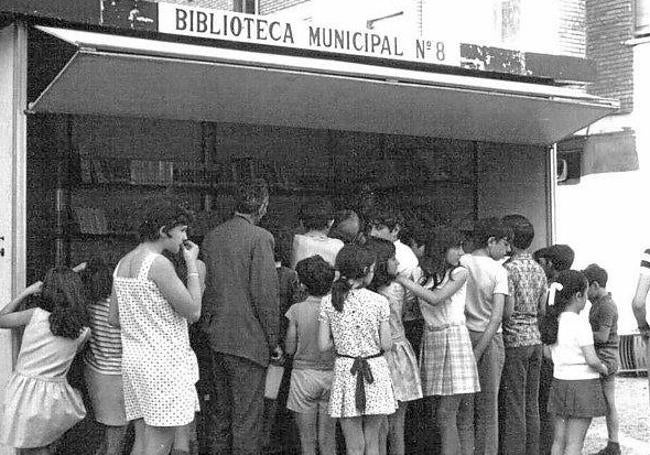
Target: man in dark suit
[241, 306]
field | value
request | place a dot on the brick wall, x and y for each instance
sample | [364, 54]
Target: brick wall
[272, 6]
[609, 25]
[572, 27]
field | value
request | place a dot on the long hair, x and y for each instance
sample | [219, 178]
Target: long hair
[571, 282]
[63, 291]
[97, 278]
[352, 262]
[435, 251]
[383, 251]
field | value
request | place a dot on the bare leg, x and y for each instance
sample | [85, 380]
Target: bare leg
[158, 440]
[183, 438]
[371, 433]
[396, 429]
[354, 437]
[138, 444]
[575, 435]
[114, 439]
[465, 420]
[326, 431]
[609, 389]
[383, 436]
[307, 428]
[559, 435]
[446, 414]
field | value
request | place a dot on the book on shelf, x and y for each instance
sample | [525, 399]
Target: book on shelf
[91, 220]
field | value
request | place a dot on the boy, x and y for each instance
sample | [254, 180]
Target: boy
[603, 318]
[313, 370]
[316, 217]
[487, 289]
[518, 397]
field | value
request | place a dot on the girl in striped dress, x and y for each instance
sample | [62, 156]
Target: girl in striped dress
[103, 359]
[447, 362]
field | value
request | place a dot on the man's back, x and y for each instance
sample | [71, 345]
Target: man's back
[241, 300]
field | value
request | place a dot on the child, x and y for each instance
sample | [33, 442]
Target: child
[487, 288]
[39, 404]
[519, 393]
[103, 359]
[355, 321]
[603, 318]
[576, 395]
[311, 378]
[447, 362]
[401, 359]
[317, 218]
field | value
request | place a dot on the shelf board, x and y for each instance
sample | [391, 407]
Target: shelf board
[129, 235]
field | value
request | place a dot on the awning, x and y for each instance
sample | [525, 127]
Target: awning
[125, 76]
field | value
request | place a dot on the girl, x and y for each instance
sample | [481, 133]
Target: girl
[354, 321]
[103, 359]
[401, 359]
[576, 395]
[447, 362]
[39, 404]
[153, 307]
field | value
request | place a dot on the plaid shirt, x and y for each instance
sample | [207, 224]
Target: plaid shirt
[527, 284]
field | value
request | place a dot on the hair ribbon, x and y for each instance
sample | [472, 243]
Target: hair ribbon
[552, 289]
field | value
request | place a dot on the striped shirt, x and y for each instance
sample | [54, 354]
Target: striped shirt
[104, 353]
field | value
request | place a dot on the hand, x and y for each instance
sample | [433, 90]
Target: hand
[277, 355]
[34, 288]
[80, 267]
[190, 251]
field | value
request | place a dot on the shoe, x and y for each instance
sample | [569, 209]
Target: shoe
[612, 448]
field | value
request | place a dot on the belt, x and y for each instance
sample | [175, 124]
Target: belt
[361, 369]
[439, 328]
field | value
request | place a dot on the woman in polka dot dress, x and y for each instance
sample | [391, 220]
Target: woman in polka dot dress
[152, 306]
[354, 320]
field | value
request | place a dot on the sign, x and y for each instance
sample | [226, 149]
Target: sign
[271, 30]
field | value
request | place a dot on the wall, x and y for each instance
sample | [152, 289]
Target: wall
[514, 179]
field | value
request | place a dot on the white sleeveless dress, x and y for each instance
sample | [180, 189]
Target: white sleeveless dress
[159, 368]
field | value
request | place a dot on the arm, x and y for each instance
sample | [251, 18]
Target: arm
[291, 340]
[200, 267]
[9, 318]
[325, 341]
[541, 305]
[113, 311]
[509, 307]
[492, 327]
[639, 303]
[263, 289]
[602, 335]
[186, 301]
[592, 359]
[436, 296]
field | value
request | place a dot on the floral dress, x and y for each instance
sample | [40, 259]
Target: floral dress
[356, 336]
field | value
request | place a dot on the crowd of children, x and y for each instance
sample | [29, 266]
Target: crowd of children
[491, 316]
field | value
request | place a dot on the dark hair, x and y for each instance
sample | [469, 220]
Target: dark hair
[560, 255]
[486, 228]
[383, 250]
[522, 230]
[440, 240]
[414, 233]
[572, 282]
[316, 274]
[341, 227]
[163, 213]
[316, 214]
[352, 262]
[97, 278]
[63, 295]
[595, 273]
[386, 215]
[251, 196]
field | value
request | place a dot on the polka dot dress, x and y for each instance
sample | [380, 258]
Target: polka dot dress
[159, 369]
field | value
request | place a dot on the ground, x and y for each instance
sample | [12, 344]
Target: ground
[634, 410]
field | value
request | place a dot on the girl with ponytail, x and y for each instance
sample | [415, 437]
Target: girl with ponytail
[576, 394]
[354, 320]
